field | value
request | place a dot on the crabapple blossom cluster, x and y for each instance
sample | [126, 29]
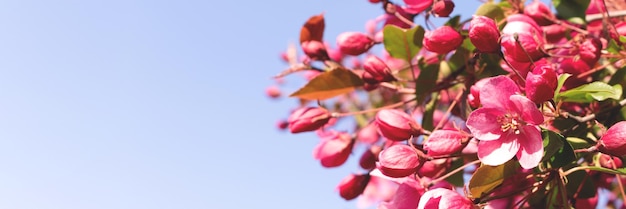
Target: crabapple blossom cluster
[520, 105]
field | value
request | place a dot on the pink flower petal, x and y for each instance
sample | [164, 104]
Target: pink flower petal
[497, 152]
[531, 147]
[496, 91]
[483, 123]
[526, 108]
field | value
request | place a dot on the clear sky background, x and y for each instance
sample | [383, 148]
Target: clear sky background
[131, 104]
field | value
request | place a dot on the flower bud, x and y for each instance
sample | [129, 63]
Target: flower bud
[315, 50]
[334, 150]
[392, 19]
[554, 33]
[396, 125]
[353, 185]
[573, 66]
[441, 198]
[484, 34]
[282, 124]
[443, 8]
[590, 51]
[376, 71]
[613, 142]
[538, 11]
[541, 84]
[474, 97]
[354, 43]
[607, 161]
[522, 40]
[417, 6]
[434, 168]
[273, 92]
[442, 40]
[445, 142]
[308, 119]
[368, 134]
[398, 161]
[369, 158]
[406, 196]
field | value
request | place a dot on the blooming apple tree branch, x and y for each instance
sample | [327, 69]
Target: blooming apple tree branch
[519, 105]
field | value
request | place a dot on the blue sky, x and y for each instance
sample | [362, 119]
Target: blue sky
[158, 104]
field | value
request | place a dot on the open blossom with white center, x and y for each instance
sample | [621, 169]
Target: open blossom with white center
[506, 125]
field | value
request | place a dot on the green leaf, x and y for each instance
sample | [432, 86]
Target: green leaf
[613, 47]
[552, 143]
[572, 10]
[402, 43]
[622, 39]
[458, 59]
[491, 10]
[598, 91]
[578, 143]
[486, 178]
[329, 84]
[426, 81]
[454, 21]
[562, 78]
[557, 151]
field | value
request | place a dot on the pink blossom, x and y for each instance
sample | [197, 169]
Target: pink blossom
[308, 119]
[445, 142]
[441, 198]
[354, 43]
[442, 40]
[614, 140]
[506, 125]
[417, 6]
[406, 196]
[334, 149]
[398, 161]
[396, 125]
[353, 185]
[443, 8]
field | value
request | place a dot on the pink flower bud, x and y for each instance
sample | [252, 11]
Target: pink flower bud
[538, 11]
[406, 196]
[613, 142]
[369, 158]
[368, 134]
[273, 92]
[445, 142]
[484, 34]
[353, 185]
[590, 51]
[434, 168]
[376, 71]
[308, 119]
[354, 43]
[522, 39]
[392, 19]
[443, 8]
[417, 6]
[398, 161]
[334, 150]
[396, 125]
[474, 96]
[554, 33]
[334, 54]
[573, 66]
[315, 50]
[541, 84]
[282, 124]
[442, 40]
[607, 161]
[441, 198]
[527, 50]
